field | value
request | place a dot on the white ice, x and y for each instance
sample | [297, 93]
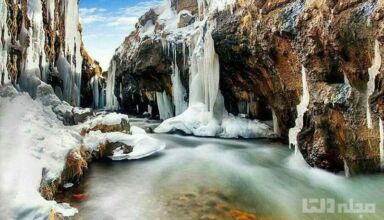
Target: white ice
[197, 121]
[301, 109]
[373, 71]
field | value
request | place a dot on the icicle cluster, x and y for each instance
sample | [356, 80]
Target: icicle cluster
[111, 100]
[205, 114]
[97, 92]
[178, 91]
[35, 67]
[165, 105]
[4, 77]
[381, 146]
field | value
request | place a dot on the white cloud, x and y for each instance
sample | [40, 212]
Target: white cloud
[104, 30]
[122, 21]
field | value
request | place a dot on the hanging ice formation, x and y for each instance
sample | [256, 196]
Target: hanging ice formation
[164, 104]
[276, 128]
[373, 71]
[301, 109]
[72, 48]
[4, 77]
[34, 68]
[381, 146]
[111, 100]
[98, 93]
[30, 70]
[178, 91]
[204, 70]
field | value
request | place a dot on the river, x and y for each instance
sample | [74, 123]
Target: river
[207, 178]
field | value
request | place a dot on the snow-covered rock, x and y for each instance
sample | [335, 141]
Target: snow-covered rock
[142, 144]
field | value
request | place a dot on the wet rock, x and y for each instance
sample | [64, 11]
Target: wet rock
[110, 147]
[185, 19]
[190, 5]
[123, 126]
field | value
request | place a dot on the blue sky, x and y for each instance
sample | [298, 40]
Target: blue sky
[107, 22]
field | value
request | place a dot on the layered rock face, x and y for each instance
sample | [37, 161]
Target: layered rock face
[337, 43]
[41, 42]
[265, 48]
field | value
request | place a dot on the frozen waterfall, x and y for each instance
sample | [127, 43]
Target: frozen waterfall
[164, 104]
[301, 109]
[178, 91]
[111, 100]
[381, 146]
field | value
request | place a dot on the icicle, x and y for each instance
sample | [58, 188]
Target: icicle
[95, 91]
[102, 98]
[51, 11]
[381, 143]
[4, 77]
[178, 89]
[112, 103]
[276, 127]
[184, 55]
[346, 168]
[164, 105]
[242, 107]
[373, 71]
[164, 44]
[301, 109]
[65, 72]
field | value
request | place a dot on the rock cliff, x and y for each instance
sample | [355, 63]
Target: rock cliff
[41, 42]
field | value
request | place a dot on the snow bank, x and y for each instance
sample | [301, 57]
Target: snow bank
[31, 138]
[197, 121]
[143, 145]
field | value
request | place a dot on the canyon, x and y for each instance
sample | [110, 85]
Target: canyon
[305, 73]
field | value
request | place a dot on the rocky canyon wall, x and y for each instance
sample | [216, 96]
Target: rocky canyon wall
[265, 48]
[41, 42]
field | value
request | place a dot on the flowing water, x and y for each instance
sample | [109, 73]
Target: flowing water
[206, 178]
